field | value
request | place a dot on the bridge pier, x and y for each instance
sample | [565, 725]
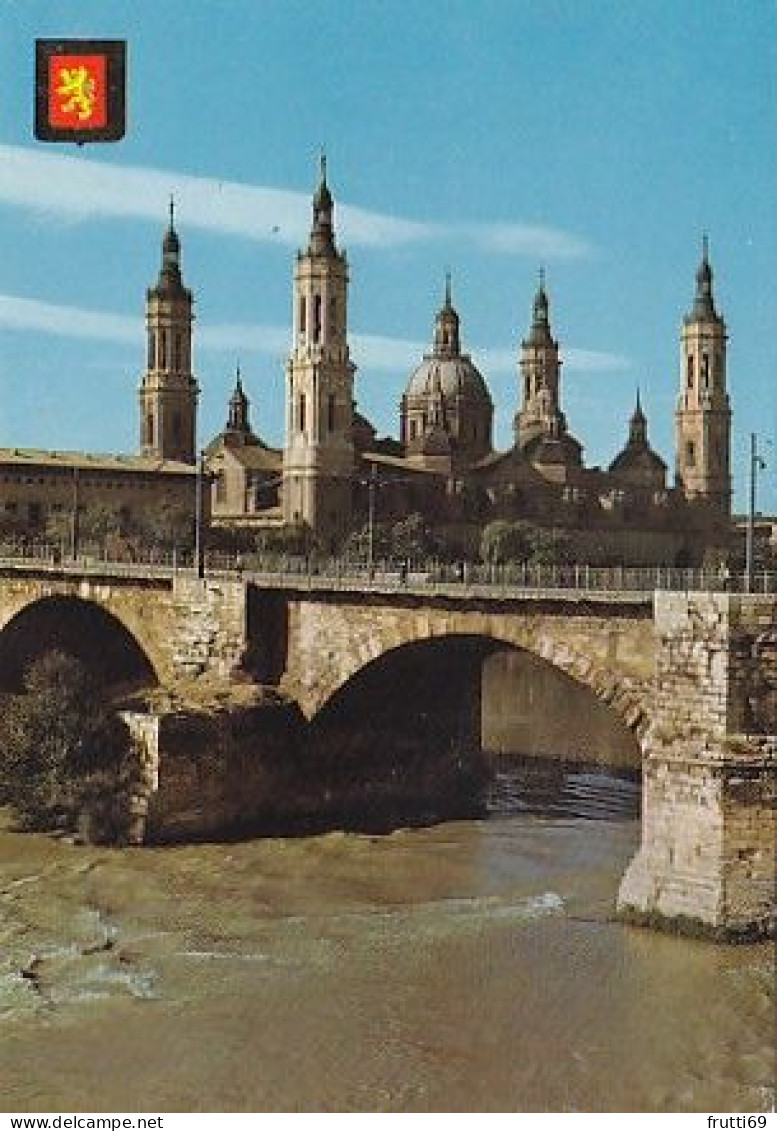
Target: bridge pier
[707, 858]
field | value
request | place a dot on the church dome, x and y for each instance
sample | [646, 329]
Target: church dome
[446, 394]
[455, 377]
[637, 463]
[446, 369]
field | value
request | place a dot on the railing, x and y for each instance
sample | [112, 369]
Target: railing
[430, 577]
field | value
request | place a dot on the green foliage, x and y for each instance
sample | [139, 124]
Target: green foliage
[550, 547]
[292, 539]
[167, 526]
[413, 537]
[66, 759]
[504, 542]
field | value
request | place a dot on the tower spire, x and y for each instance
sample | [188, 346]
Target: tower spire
[237, 421]
[638, 424]
[447, 342]
[703, 309]
[322, 240]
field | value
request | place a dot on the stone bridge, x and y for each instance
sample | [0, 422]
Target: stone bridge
[604, 644]
[177, 627]
[693, 675]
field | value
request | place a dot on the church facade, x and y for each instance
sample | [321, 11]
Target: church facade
[444, 464]
[333, 471]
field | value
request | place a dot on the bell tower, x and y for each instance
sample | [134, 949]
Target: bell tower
[168, 390]
[540, 367]
[318, 456]
[703, 417]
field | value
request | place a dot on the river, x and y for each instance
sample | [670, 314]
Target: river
[468, 966]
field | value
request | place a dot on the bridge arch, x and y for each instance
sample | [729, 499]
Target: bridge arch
[82, 628]
[330, 646]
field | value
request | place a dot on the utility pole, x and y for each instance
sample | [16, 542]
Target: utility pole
[756, 464]
[372, 491]
[199, 517]
[74, 517]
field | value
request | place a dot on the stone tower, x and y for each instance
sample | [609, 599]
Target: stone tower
[318, 456]
[168, 391]
[540, 413]
[703, 417]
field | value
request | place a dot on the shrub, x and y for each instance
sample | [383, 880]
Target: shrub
[66, 759]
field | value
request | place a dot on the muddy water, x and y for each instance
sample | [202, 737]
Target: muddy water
[471, 966]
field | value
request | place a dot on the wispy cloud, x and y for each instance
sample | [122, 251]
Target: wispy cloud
[79, 188]
[67, 321]
[573, 360]
[371, 351]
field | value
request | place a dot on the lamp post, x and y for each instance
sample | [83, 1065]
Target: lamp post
[74, 517]
[372, 491]
[756, 464]
[199, 516]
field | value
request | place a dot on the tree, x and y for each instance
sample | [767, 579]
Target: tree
[167, 526]
[413, 537]
[66, 759]
[503, 541]
[550, 547]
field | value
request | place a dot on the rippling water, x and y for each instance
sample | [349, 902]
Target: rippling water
[469, 966]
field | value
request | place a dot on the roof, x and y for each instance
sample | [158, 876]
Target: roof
[398, 463]
[560, 449]
[637, 457]
[94, 461]
[255, 457]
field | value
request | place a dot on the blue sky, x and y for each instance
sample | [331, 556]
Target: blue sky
[597, 139]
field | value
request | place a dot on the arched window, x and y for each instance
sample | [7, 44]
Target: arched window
[301, 413]
[163, 349]
[690, 372]
[151, 349]
[301, 316]
[178, 352]
[150, 429]
[316, 318]
[333, 316]
[690, 453]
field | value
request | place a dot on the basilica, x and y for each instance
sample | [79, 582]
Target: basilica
[444, 465]
[334, 470]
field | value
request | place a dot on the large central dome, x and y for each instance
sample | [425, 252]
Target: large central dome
[447, 393]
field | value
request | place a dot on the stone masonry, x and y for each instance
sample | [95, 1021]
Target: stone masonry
[707, 857]
[695, 679]
[609, 650]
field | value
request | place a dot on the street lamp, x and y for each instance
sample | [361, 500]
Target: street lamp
[74, 517]
[756, 464]
[372, 491]
[199, 517]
